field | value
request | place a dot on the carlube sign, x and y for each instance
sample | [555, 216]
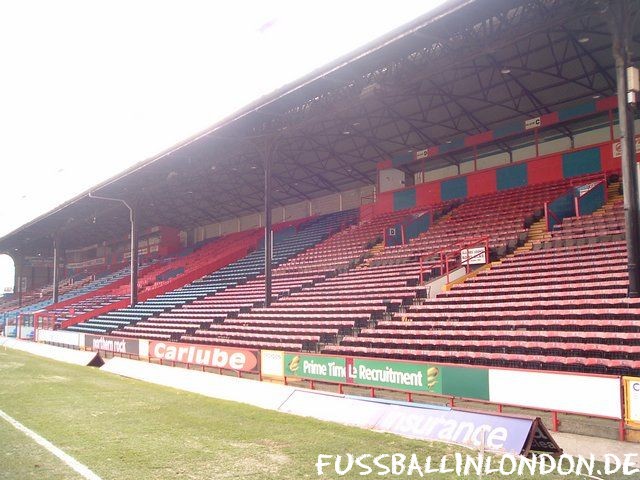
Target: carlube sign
[206, 355]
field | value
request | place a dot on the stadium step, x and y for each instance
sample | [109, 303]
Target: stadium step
[376, 249]
[469, 275]
[537, 232]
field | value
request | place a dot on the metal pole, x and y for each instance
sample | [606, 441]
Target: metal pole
[134, 256]
[23, 283]
[611, 136]
[620, 26]
[134, 245]
[17, 282]
[56, 279]
[268, 234]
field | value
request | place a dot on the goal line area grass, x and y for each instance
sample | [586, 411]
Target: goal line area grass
[127, 429]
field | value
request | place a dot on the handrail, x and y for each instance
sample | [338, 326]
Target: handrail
[445, 255]
[548, 212]
[600, 176]
[598, 179]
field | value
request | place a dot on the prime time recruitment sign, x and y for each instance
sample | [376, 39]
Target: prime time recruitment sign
[397, 375]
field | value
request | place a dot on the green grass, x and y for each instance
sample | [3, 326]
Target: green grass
[127, 429]
[21, 458]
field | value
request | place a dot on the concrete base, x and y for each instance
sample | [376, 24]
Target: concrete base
[598, 447]
[375, 414]
[75, 357]
[258, 394]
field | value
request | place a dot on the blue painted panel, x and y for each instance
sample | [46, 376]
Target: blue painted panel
[512, 176]
[592, 200]
[577, 111]
[581, 163]
[453, 188]
[402, 158]
[508, 129]
[404, 199]
[393, 236]
[561, 208]
[455, 144]
[416, 226]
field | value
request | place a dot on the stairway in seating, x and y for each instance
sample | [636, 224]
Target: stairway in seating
[537, 232]
[608, 210]
[614, 196]
[371, 254]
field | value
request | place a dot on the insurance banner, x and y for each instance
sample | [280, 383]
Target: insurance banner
[494, 432]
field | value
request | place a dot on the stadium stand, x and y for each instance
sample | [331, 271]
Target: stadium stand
[493, 126]
[74, 288]
[563, 307]
[338, 253]
[154, 279]
[348, 294]
[287, 242]
[37, 295]
[504, 217]
[293, 322]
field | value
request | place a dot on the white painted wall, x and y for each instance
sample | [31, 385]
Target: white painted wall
[327, 204]
[296, 211]
[229, 226]
[391, 179]
[334, 202]
[545, 147]
[250, 221]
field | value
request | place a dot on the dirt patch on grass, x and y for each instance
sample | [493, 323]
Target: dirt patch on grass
[52, 378]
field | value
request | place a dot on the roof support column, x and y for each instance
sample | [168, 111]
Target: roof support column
[56, 261]
[18, 264]
[621, 18]
[268, 233]
[134, 255]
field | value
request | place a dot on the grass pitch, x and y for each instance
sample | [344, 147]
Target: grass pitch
[127, 429]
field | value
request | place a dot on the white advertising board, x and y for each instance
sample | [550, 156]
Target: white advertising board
[272, 363]
[584, 394]
[632, 391]
[61, 337]
[474, 256]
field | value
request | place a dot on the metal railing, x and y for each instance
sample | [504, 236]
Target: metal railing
[446, 259]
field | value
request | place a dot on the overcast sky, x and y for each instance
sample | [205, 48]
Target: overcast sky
[89, 88]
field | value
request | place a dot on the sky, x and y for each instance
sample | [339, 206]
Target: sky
[88, 88]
